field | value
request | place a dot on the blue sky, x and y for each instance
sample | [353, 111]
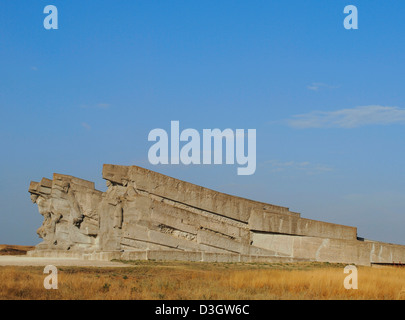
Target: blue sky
[328, 103]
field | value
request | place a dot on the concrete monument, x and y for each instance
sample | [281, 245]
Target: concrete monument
[147, 215]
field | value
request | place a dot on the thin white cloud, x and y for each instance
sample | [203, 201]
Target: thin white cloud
[315, 86]
[306, 167]
[96, 106]
[349, 118]
[86, 126]
[103, 105]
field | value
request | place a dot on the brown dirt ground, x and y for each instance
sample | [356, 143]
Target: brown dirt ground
[13, 250]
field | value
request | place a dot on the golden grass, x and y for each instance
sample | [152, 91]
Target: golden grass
[185, 280]
[6, 249]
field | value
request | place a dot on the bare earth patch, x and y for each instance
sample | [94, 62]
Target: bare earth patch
[25, 261]
[6, 250]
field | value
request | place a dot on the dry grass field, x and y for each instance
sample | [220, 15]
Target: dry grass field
[186, 280]
[6, 249]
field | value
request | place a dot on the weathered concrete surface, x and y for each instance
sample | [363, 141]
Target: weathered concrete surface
[69, 207]
[187, 193]
[293, 225]
[382, 252]
[147, 215]
[316, 249]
